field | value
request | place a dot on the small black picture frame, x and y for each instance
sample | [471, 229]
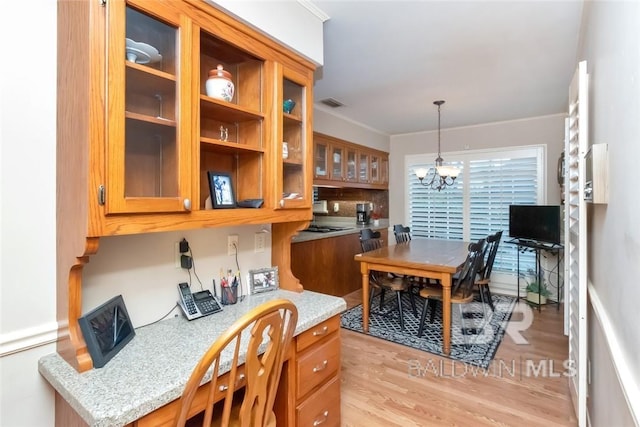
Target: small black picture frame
[221, 190]
[263, 280]
[106, 330]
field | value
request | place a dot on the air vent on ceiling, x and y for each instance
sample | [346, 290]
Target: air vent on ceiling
[332, 102]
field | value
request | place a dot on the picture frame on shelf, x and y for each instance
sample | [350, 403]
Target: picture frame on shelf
[221, 190]
[263, 280]
[106, 330]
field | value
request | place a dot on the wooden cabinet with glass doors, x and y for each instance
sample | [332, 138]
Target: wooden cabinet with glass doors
[138, 133]
[345, 164]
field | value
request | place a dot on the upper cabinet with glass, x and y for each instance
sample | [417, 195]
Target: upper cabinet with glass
[293, 183]
[147, 159]
[344, 164]
[190, 91]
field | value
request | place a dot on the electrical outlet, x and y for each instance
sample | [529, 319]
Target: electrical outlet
[232, 244]
[260, 242]
[177, 255]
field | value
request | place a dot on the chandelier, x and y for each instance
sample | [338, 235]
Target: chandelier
[439, 176]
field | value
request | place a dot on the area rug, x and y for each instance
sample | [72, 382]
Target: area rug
[474, 340]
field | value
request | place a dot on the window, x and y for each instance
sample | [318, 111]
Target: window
[478, 202]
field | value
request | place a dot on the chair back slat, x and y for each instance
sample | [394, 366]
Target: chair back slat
[493, 241]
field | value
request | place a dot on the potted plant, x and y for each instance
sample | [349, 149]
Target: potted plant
[537, 292]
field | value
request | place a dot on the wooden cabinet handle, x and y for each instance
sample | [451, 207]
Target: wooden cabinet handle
[321, 332]
[321, 367]
[318, 421]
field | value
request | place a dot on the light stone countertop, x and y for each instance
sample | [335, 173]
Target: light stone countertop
[152, 369]
[305, 236]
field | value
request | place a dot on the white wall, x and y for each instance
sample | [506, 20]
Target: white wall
[547, 130]
[27, 210]
[139, 267]
[332, 124]
[611, 46]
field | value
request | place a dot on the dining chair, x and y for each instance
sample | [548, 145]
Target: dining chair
[484, 275]
[384, 282]
[267, 330]
[401, 233]
[367, 233]
[461, 288]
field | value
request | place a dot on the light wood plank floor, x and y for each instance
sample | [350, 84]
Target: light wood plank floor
[381, 385]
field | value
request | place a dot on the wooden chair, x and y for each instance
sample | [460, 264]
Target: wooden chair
[367, 233]
[383, 282]
[402, 233]
[276, 319]
[484, 275]
[461, 288]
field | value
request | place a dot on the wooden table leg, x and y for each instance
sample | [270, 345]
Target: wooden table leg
[446, 313]
[364, 269]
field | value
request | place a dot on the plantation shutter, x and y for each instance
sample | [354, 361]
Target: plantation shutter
[478, 203]
[494, 184]
[436, 214]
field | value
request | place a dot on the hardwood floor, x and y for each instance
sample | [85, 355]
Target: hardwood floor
[387, 384]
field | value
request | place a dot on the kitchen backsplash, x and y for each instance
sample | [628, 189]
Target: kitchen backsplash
[347, 198]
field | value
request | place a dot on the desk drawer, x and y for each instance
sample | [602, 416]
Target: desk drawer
[317, 333]
[316, 365]
[322, 408]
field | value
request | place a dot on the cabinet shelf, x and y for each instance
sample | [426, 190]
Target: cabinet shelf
[291, 118]
[150, 119]
[212, 144]
[226, 111]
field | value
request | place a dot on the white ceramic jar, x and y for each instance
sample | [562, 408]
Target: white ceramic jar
[219, 84]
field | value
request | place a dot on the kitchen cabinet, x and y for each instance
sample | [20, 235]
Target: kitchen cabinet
[345, 164]
[137, 124]
[326, 264]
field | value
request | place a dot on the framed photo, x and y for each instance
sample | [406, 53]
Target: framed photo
[106, 330]
[263, 280]
[221, 189]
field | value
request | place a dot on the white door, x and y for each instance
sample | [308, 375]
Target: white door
[576, 146]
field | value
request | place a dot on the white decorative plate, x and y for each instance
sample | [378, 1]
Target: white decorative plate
[141, 53]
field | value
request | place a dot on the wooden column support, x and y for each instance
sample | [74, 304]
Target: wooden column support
[281, 234]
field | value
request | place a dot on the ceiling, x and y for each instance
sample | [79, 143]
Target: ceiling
[387, 61]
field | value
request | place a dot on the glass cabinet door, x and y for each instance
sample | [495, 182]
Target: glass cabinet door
[374, 169]
[337, 163]
[148, 153]
[292, 147]
[351, 166]
[320, 160]
[363, 167]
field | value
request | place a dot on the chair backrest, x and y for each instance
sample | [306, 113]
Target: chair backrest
[402, 233]
[470, 268]
[274, 319]
[493, 241]
[367, 233]
[371, 244]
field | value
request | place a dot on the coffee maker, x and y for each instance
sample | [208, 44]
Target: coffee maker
[363, 213]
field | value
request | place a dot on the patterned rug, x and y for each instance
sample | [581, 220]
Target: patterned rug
[477, 345]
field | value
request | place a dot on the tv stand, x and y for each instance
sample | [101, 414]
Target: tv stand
[527, 245]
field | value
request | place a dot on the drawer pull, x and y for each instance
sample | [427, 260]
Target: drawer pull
[321, 332]
[325, 416]
[225, 387]
[321, 367]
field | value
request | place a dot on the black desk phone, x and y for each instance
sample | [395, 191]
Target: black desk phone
[198, 304]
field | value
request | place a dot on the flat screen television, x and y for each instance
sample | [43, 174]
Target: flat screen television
[540, 223]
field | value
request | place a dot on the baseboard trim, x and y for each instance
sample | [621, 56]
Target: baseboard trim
[28, 338]
[630, 390]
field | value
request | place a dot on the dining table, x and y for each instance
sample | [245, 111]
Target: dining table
[437, 259]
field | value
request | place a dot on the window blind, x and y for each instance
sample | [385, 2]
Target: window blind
[478, 203]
